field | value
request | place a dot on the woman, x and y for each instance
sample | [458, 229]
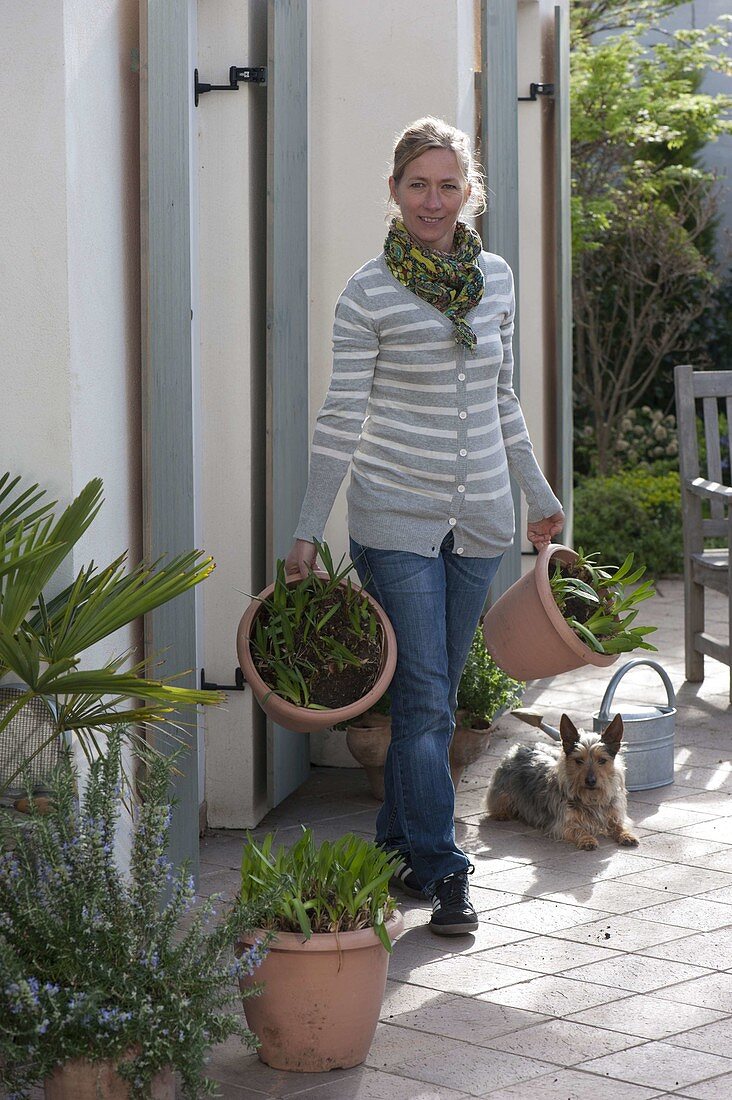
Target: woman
[421, 402]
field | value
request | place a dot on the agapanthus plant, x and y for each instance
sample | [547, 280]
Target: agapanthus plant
[99, 964]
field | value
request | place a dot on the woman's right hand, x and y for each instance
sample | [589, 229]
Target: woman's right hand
[301, 558]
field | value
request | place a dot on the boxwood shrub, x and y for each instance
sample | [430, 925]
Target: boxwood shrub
[634, 510]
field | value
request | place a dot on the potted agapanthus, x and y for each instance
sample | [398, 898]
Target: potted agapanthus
[570, 611]
[316, 650]
[332, 925]
[105, 991]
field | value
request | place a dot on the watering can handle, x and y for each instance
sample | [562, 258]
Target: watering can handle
[604, 715]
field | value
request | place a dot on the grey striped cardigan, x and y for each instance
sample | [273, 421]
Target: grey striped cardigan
[430, 428]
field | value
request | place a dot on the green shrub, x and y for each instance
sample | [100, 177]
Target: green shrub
[636, 511]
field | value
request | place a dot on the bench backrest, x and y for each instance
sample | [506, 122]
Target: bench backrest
[706, 395]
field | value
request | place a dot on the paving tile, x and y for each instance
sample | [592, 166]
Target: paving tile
[541, 915]
[535, 880]
[675, 848]
[662, 818]
[659, 1065]
[233, 1065]
[689, 913]
[469, 1019]
[553, 995]
[400, 997]
[647, 1016]
[709, 949]
[715, 1038]
[711, 991]
[485, 899]
[723, 895]
[622, 931]
[714, 1089]
[476, 1070]
[721, 860]
[575, 1085]
[564, 1042]
[369, 1084]
[680, 879]
[546, 954]
[641, 974]
[606, 862]
[420, 945]
[716, 829]
[612, 896]
[467, 974]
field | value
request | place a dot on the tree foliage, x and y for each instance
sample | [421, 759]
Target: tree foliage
[644, 212]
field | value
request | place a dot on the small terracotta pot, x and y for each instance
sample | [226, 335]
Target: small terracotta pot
[369, 744]
[525, 632]
[303, 719]
[468, 744]
[321, 999]
[368, 737]
[80, 1079]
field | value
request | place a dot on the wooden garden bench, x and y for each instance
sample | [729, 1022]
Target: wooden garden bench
[703, 481]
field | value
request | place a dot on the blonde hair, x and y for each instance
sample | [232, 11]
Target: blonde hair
[434, 133]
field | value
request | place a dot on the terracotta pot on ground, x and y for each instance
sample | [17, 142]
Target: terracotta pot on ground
[80, 1079]
[525, 632]
[368, 739]
[303, 719]
[322, 998]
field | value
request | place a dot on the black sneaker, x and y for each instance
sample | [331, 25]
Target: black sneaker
[452, 913]
[405, 879]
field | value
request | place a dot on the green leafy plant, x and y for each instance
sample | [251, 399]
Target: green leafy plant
[485, 691]
[42, 637]
[338, 886]
[97, 965]
[599, 604]
[638, 508]
[297, 637]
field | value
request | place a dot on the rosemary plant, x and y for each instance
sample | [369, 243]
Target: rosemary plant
[338, 886]
[599, 604]
[96, 965]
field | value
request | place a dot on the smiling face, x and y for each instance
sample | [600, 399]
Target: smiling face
[431, 194]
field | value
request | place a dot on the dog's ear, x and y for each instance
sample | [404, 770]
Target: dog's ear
[569, 732]
[613, 735]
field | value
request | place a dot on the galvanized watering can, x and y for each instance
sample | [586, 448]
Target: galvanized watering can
[648, 734]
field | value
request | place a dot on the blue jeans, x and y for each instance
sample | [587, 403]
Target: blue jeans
[434, 605]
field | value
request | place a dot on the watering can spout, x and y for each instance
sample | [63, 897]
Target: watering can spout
[533, 718]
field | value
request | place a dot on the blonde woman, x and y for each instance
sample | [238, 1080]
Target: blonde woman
[421, 405]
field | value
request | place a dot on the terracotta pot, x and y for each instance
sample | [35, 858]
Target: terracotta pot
[369, 744]
[321, 999]
[303, 719]
[468, 745]
[368, 738]
[80, 1079]
[525, 632]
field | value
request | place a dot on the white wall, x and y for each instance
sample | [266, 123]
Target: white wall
[229, 270]
[376, 66]
[70, 259]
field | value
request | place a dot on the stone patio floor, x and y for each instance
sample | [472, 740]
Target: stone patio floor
[604, 974]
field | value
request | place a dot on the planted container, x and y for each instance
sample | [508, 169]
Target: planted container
[302, 712]
[527, 635]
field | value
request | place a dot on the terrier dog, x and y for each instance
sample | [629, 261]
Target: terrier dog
[575, 792]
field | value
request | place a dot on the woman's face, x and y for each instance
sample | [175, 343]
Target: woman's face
[431, 194]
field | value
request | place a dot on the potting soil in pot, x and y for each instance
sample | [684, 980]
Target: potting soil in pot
[335, 687]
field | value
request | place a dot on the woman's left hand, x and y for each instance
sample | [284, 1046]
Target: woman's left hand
[543, 531]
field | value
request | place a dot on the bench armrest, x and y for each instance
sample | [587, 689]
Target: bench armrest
[711, 490]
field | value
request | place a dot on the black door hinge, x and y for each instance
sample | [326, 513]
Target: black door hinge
[247, 74]
[536, 90]
[238, 685]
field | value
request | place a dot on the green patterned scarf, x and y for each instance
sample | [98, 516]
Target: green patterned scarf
[452, 283]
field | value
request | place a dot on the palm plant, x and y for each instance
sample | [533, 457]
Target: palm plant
[42, 638]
